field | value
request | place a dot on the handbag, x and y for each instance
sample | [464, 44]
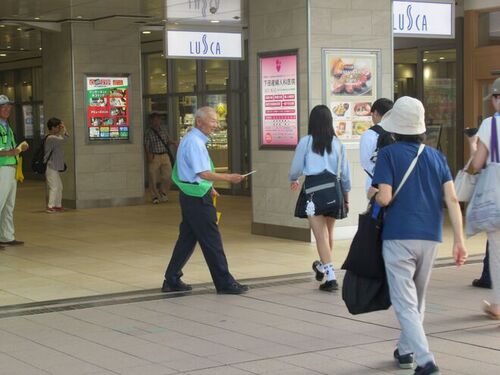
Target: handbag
[365, 286]
[465, 184]
[483, 211]
[322, 194]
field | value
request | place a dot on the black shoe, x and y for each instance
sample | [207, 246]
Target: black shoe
[12, 243]
[404, 361]
[234, 288]
[329, 286]
[429, 368]
[478, 283]
[178, 286]
[319, 275]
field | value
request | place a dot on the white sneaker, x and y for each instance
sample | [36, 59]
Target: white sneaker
[163, 197]
[155, 200]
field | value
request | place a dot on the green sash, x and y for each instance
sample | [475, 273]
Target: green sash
[192, 189]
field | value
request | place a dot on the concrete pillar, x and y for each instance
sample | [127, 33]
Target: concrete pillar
[106, 174]
[309, 26]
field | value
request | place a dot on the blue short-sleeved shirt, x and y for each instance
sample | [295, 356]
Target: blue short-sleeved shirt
[417, 211]
[192, 156]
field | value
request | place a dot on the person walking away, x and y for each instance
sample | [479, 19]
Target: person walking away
[413, 225]
[8, 183]
[480, 153]
[156, 143]
[194, 175]
[374, 138]
[54, 157]
[316, 152]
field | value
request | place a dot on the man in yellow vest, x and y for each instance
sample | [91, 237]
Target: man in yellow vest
[8, 183]
[194, 173]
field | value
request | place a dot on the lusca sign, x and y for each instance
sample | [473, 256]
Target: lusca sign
[424, 19]
[202, 44]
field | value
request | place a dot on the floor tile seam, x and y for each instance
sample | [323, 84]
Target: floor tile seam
[466, 344]
[86, 340]
[56, 349]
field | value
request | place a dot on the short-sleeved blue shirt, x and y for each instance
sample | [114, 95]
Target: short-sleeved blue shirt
[192, 156]
[417, 211]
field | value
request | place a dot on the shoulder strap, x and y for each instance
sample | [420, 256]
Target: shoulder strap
[377, 129]
[408, 171]
[494, 141]
[160, 138]
[339, 159]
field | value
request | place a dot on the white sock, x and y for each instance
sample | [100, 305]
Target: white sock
[329, 272]
[319, 267]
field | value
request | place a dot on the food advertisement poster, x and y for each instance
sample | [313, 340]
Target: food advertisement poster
[107, 108]
[278, 100]
[350, 86]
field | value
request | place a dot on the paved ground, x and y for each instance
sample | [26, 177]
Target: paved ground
[283, 326]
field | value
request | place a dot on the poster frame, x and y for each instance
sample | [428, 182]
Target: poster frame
[288, 52]
[90, 141]
[347, 53]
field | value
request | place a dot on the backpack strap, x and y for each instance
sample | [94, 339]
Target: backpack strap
[377, 129]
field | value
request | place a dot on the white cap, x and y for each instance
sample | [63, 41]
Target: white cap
[407, 117]
[5, 100]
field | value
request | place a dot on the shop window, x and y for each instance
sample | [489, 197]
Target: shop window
[405, 73]
[7, 84]
[216, 74]
[489, 29]
[37, 84]
[184, 75]
[185, 107]
[26, 85]
[156, 74]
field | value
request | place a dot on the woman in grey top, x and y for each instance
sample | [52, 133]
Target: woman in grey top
[54, 157]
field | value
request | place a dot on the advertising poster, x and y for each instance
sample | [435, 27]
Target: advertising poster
[107, 108]
[350, 88]
[28, 121]
[278, 101]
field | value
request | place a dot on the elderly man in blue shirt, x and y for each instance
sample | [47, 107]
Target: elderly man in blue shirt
[194, 175]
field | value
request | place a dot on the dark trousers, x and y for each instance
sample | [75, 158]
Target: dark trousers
[485, 275]
[199, 224]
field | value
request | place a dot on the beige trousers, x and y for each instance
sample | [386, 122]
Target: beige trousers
[160, 165]
[54, 188]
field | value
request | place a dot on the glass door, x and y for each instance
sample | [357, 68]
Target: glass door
[440, 99]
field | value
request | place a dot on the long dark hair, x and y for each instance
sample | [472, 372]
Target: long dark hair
[416, 138]
[321, 129]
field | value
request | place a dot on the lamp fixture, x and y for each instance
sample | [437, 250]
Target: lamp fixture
[145, 32]
[214, 21]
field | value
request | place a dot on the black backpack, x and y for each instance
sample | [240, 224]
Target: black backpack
[38, 165]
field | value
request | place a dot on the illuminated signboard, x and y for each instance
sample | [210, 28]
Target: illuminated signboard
[107, 108]
[200, 44]
[424, 19]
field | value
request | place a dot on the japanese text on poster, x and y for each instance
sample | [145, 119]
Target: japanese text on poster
[107, 108]
[350, 88]
[278, 85]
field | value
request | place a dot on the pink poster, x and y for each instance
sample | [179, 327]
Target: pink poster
[278, 85]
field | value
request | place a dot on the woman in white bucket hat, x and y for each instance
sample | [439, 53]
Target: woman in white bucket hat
[413, 225]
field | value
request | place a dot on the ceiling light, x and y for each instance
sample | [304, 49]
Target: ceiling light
[214, 21]
[441, 58]
[424, 60]
[146, 32]
[79, 17]
[2, 25]
[37, 18]
[40, 48]
[3, 54]
[8, 46]
[19, 29]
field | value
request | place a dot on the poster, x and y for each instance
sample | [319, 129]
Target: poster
[28, 121]
[107, 108]
[350, 86]
[278, 100]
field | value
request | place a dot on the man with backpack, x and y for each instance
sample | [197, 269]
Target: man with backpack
[8, 183]
[374, 138]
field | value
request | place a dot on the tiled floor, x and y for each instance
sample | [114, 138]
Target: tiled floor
[287, 328]
[111, 250]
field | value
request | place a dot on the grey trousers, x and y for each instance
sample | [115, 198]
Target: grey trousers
[408, 266]
[494, 249]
